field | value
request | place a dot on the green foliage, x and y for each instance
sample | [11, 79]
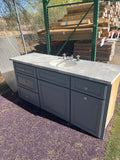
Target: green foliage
[11, 20]
[113, 147]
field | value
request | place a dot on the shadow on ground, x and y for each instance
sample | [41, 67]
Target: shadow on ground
[14, 97]
[68, 49]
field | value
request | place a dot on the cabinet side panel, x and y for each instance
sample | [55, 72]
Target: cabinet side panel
[112, 100]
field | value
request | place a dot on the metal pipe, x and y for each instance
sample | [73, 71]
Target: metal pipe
[74, 30]
[18, 19]
[67, 4]
[95, 30]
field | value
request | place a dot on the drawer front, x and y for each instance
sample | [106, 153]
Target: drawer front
[53, 77]
[89, 87]
[55, 99]
[29, 96]
[86, 112]
[25, 69]
[27, 82]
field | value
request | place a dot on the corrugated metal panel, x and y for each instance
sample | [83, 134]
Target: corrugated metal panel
[8, 49]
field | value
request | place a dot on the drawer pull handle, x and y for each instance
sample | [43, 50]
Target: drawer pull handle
[85, 98]
[85, 88]
[26, 96]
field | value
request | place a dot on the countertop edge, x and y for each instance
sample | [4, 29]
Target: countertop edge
[68, 73]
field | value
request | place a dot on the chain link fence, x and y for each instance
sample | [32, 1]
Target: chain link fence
[32, 21]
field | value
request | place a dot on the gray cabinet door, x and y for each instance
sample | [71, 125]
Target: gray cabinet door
[86, 113]
[54, 99]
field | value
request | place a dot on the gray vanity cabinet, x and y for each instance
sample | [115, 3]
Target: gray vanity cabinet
[54, 91]
[83, 95]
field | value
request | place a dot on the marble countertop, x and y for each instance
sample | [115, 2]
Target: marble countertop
[100, 72]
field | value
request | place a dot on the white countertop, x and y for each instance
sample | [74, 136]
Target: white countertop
[100, 72]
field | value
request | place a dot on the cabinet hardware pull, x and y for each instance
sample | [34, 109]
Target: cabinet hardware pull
[86, 88]
[85, 98]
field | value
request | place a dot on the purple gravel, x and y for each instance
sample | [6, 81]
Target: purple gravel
[27, 136]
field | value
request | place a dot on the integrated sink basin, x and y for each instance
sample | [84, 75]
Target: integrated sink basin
[63, 63]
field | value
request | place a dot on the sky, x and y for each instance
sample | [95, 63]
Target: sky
[4, 11]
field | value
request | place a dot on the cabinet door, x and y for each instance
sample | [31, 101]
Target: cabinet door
[87, 112]
[54, 99]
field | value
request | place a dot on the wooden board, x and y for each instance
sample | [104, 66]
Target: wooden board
[55, 26]
[80, 7]
[74, 22]
[79, 16]
[76, 36]
[65, 31]
[105, 53]
[83, 7]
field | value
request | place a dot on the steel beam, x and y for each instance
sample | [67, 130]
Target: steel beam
[95, 29]
[46, 21]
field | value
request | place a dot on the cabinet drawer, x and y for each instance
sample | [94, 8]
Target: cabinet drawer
[27, 82]
[53, 77]
[29, 96]
[89, 87]
[25, 69]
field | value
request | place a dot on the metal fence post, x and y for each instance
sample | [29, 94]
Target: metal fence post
[95, 29]
[18, 19]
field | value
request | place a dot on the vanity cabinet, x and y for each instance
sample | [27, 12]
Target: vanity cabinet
[70, 94]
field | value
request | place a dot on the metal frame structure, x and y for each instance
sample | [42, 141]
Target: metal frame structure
[46, 20]
[95, 24]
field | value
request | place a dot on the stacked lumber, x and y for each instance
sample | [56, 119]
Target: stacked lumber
[104, 53]
[109, 15]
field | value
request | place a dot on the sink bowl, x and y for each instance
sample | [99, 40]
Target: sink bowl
[63, 63]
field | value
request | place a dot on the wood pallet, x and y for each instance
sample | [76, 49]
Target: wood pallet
[104, 53]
